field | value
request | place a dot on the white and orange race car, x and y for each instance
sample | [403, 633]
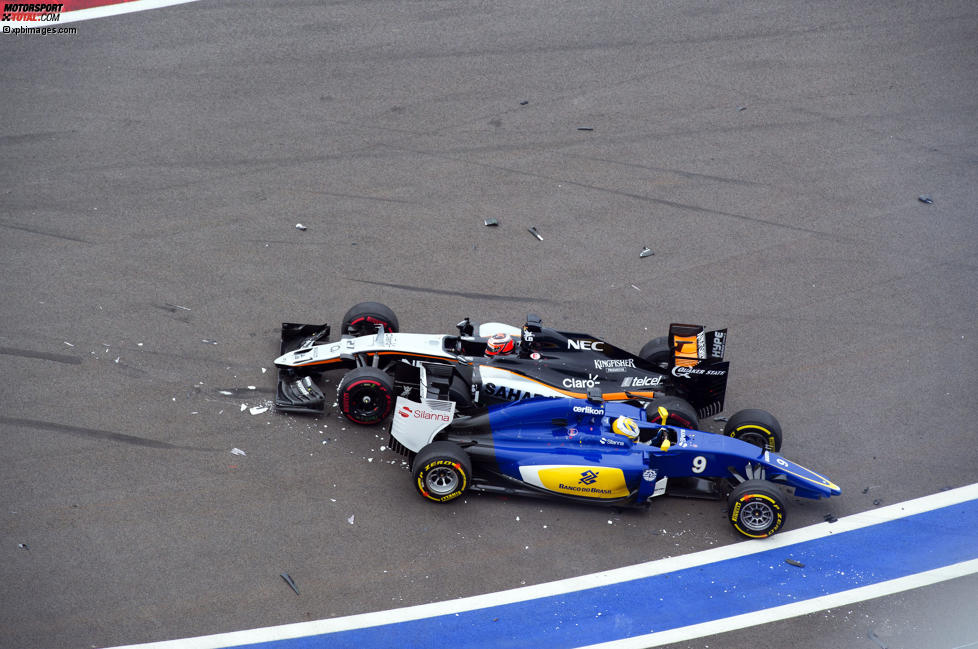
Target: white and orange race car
[497, 363]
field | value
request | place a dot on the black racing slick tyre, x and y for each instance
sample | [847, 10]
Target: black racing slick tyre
[362, 319]
[657, 352]
[442, 471]
[366, 396]
[757, 427]
[756, 509]
[681, 413]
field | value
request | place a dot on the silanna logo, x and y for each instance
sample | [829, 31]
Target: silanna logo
[32, 12]
[418, 413]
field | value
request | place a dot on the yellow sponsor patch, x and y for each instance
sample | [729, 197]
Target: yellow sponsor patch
[586, 481]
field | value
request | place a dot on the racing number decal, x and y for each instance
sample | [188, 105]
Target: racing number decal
[699, 464]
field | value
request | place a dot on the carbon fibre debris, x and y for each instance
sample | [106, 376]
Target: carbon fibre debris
[290, 582]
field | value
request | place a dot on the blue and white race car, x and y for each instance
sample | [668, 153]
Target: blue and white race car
[591, 451]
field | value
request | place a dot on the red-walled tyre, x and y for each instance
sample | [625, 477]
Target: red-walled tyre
[366, 396]
[362, 319]
[681, 413]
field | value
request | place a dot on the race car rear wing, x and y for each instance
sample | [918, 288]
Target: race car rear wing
[691, 344]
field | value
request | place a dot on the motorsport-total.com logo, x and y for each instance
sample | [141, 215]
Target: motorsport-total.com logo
[30, 12]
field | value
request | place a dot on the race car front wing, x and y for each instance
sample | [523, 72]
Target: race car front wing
[295, 392]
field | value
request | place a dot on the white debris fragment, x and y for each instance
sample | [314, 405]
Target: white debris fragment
[350, 519]
[68, 343]
[264, 369]
[243, 406]
[237, 451]
[611, 523]
[117, 358]
[257, 410]
[227, 392]
[299, 226]
[251, 387]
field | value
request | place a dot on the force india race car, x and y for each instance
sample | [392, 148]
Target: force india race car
[590, 451]
[684, 371]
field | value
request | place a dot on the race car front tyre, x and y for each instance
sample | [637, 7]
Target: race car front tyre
[362, 319]
[657, 352]
[756, 509]
[442, 471]
[366, 396]
[681, 413]
[757, 427]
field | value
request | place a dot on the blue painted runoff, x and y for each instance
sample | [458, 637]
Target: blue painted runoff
[713, 591]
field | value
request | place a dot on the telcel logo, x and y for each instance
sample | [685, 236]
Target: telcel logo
[640, 381]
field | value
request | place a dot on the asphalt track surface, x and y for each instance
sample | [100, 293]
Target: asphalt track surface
[154, 166]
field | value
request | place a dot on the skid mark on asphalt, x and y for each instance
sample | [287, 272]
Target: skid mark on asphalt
[46, 356]
[55, 235]
[94, 433]
[438, 291]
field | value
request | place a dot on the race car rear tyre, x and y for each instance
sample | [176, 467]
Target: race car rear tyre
[756, 509]
[757, 427]
[362, 319]
[442, 471]
[657, 352]
[366, 396]
[681, 413]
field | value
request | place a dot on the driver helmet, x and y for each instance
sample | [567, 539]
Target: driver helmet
[625, 426]
[500, 343]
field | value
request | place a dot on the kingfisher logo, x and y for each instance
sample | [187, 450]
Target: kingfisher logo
[588, 477]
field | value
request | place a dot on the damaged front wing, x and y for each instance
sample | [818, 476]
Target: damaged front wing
[298, 392]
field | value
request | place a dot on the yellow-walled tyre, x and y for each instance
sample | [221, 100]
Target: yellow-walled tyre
[442, 471]
[756, 509]
[757, 427]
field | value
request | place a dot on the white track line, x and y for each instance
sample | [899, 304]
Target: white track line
[619, 575]
[113, 10]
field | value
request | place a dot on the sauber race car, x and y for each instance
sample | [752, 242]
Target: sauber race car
[599, 452]
[496, 363]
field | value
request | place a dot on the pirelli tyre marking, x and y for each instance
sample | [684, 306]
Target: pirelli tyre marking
[441, 472]
[756, 509]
